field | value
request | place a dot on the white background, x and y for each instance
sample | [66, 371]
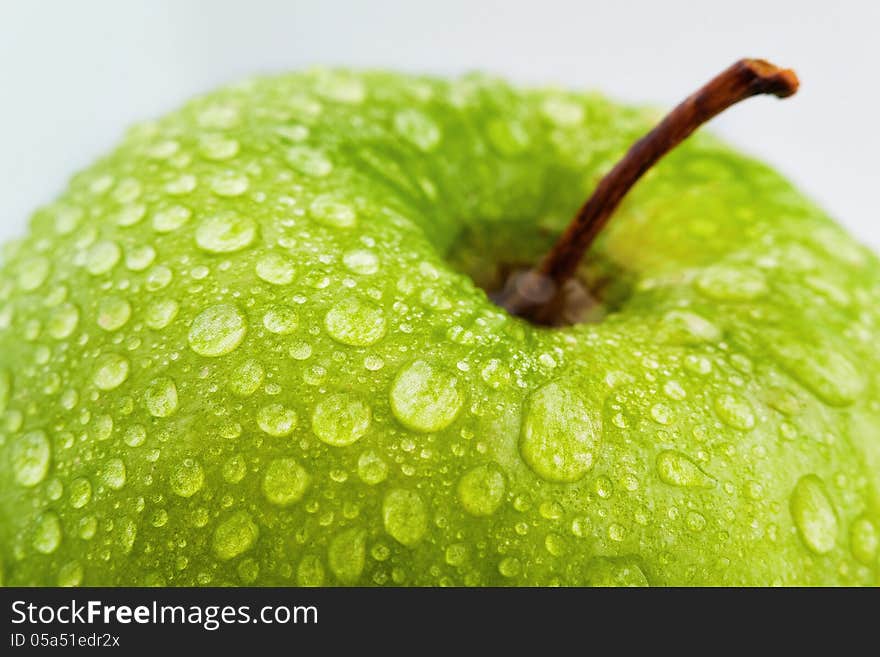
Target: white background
[73, 75]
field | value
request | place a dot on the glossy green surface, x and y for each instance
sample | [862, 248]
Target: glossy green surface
[235, 352]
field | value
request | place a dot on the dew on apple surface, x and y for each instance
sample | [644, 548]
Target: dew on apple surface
[131, 214]
[225, 232]
[218, 148]
[217, 330]
[187, 478]
[481, 490]
[830, 375]
[101, 257]
[276, 420]
[309, 161]
[310, 571]
[158, 278]
[676, 469]
[275, 269]
[341, 419]
[418, 129]
[285, 481]
[80, 492]
[300, 350]
[371, 468]
[615, 572]
[404, 516]
[281, 320]
[355, 322]
[70, 574]
[47, 534]
[111, 370]
[230, 185]
[234, 536]
[735, 411]
[813, 514]
[171, 218]
[113, 313]
[63, 321]
[138, 258]
[330, 211]
[361, 261]
[32, 273]
[346, 554]
[425, 398]
[113, 474]
[31, 454]
[234, 469]
[864, 540]
[160, 397]
[247, 378]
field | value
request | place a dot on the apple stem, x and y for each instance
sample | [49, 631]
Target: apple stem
[535, 294]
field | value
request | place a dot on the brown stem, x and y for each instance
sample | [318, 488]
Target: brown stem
[534, 294]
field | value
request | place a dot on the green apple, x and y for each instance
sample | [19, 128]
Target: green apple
[250, 346]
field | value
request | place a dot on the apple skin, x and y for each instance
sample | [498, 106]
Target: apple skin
[246, 348]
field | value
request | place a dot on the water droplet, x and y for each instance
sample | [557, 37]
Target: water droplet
[102, 257]
[221, 117]
[481, 490]
[276, 420]
[864, 540]
[328, 210]
[697, 364]
[158, 278]
[425, 398]
[80, 493]
[139, 258]
[234, 536]
[47, 535]
[604, 487]
[247, 378]
[355, 322]
[510, 567]
[160, 398]
[309, 161]
[225, 233]
[187, 478]
[135, 435]
[113, 313]
[342, 87]
[361, 261]
[63, 321]
[70, 574]
[825, 372]
[685, 327]
[170, 219]
[371, 468]
[404, 516]
[661, 414]
[234, 469]
[310, 571]
[181, 185]
[102, 427]
[340, 419]
[129, 215]
[615, 572]
[813, 514]
[285, 482]
[111, 370]
[562, 111]
[560, 434]
[347, 554]
[113, 475]
[161, 313]
[32, 273]
[674, 390]
[300, 350]
[218, 147]
[507, 137]
[677, 469]
[735, 411]
[732, 283]
[276, 269]
[281, 320]
[30, 458]
[217, 330]
[417, 128]
[230, 185]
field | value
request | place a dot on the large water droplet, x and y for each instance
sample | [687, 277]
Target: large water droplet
[285, 482]
[276, 269]
[814, 514]
[111, 370]
[481, 490]
[187, 478]
[677, 469]
[330, 211]
[425, 398]
[417, 128]
[355, 322]
[30, 458]
[276, 420]
[217, 330]
[732, 283]
[341, 419]
[170, 219]
[347, 554]
[404, 516]
[161, 313]
[864, 540]
[371, 468]
[560, 434]
[825, 372]
[235, 536]
[47, 534]
[113, 313]
[225, 233]
[735, 411]
[160, 397]
[281, 320]
[309, 161]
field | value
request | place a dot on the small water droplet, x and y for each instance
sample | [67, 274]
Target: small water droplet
[139, 258]
[481, 490]
[732, 283]
[218, 147]
[275, 269]
[814, 514]
[114, 474]
[347, 555]
[32, 273]
[404, 516]
[507, 137]
[160, 398]
[361, 261]
[300, 350]
[234, 469]
[170, 219]
[560, 434]
[281, 320]
[686, 327]
[615, 572]
[310, 571]
[113, 313]
[70, 574]
[135, 435]
[425, 398]
[247, 378]
[47, 535]
[562, 111]
[235, 536]
[276, 420]
[661, 413]
[735, 411]
[309, 161]
[30, 458]
[111, 370]
[63, 321]
[864, 540]
[217, 330]
[417, 128]
[225, 233]
[230, 185]
[330, 211]
[187, 478]
[509, 567]
[221, 117]
[129, 215]
[285, 482]
[80, 493]
[102, 257]
[677, 469]
[355, 322]
[341, 419]
[371, 468]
